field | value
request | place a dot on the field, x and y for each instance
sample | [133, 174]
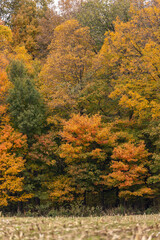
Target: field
[146, 227]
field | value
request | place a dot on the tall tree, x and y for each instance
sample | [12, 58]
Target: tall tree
[132, 55]
[64, 74]
[99, 16]
[9, 8]
[43, 165]
[25, 26]
[26, 106]
[47, 25]
[5, 43]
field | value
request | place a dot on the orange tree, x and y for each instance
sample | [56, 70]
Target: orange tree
[12, 149]
[129, 168]
[86, 151]
[6, 38]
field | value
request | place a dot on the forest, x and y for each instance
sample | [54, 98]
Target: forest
[79, 105]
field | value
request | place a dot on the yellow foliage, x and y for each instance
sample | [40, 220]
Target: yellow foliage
[63, 75]
[61, 189]
[20, 53]
[132, 56]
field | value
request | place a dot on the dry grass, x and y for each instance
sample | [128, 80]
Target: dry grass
[146, 227]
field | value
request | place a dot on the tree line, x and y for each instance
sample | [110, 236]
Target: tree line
[79, 103]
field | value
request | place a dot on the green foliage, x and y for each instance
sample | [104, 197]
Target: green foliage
[151, 136]
[8, 8]
[26, 106]
[77, 209]
[99, 16]
[43, 164]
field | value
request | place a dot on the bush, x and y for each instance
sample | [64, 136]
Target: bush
[77, 210]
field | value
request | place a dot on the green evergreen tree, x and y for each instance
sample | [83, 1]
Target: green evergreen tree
[26, 107]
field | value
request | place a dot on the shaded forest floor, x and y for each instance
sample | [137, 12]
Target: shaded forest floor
[136, 227]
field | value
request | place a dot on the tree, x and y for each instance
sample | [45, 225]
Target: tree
[20, 53]
[129, 171]
[68, 8]
[99, 16]
[86, 151]
[26, 107]
[64, 74]
[6, 38]
[131, 54]
[25, 26]
[12, 149]
[47, 25]
[151, 137]
[43, 165]
[8, 8]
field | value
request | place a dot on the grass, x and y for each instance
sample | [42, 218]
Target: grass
[136, 227]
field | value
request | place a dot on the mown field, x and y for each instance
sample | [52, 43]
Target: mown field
[146, 227]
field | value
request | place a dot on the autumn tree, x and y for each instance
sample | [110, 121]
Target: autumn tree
[5, 41]
[9, 8]
[69, 8]
[43, 165]
[129, 171]
[99, 16]
[12, 149]
[26, 106]
[86, 150]
[25, 26]
[131, 53]
[47, 25]
[64, 74]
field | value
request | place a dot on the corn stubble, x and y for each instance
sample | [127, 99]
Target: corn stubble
[146, 227]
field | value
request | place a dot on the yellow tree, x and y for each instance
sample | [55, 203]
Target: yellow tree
[131, 56]
[63, 76]
[25, 28]
[20, 53]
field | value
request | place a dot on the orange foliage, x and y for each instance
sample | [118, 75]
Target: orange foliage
[80, 132]
[12, 148]
[129, 170]
[87, 146]
[5, 39]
